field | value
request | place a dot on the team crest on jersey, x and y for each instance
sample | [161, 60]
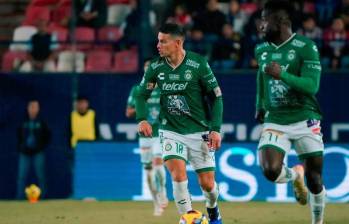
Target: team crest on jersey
[291, 55]
[168, 146]
[188, 75]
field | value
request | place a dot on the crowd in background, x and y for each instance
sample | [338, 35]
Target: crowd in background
[226, 32]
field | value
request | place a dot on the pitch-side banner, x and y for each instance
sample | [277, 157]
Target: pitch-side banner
[112, 171]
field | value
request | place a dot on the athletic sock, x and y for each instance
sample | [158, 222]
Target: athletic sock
[211, 197]
[317, 205]
[160, 177]
[286, 175]
[211, 203]
[181, 196]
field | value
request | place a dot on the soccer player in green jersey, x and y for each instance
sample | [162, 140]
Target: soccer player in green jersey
[287, 81]
[190, 116]
[151, 148]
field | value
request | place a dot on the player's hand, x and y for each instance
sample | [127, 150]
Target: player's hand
[214, 140]
[145, 129]
[273, 69]
[259, 116]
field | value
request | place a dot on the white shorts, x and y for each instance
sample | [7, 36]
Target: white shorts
[150, 148]
[190, 148]
[305, 135]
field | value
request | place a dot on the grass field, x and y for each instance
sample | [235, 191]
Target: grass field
[80, 212]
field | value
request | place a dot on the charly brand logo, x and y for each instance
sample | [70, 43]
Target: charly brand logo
[161, 76]
[264, 56]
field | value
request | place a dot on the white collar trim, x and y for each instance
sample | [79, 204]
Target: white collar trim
[285, 42]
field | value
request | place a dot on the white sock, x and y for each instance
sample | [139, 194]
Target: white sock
[181, 196]
[317, 205]
[286, 175]
[160, 177]
[150, 181]
[211, 197]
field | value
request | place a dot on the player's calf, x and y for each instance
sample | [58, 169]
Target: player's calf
[299, 187]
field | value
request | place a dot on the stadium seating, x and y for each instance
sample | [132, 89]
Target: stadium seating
[22, 34]
[61, 13]
[117, 14]
[66, 61]
[44, 2]
[9, 58]
[61, 35]
[125, 61]
[111, 2]
[35, 13]
[85, 38]
[107, 36]
[98, 61]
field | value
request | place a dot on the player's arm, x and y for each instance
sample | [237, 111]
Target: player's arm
[131, 107]
[215, 96]
[260, 111]
[143, 92]
[309, 80]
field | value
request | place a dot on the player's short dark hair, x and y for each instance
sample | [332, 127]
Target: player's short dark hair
[172, 29]
[81, 98]
[280, 5]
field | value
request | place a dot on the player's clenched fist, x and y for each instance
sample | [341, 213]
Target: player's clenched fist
[273, 69]
[145, 129]
[214, 140]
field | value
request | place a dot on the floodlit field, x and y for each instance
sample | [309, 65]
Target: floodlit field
[76, 212]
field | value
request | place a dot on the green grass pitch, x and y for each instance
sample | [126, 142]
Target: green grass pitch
[109, 212]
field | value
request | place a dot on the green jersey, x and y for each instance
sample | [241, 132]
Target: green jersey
[183, 92]
[292, 98]
[152, 107]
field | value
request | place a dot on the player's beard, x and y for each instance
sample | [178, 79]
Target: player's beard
[272, 35]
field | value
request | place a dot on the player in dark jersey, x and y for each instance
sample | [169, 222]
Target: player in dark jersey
[287, 81]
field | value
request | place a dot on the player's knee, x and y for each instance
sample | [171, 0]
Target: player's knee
[271, 172]
[314, 181]
[178, 176]
[207, 184]
[158, 161]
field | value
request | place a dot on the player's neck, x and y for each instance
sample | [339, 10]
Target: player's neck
[284, 36]
[176, 59]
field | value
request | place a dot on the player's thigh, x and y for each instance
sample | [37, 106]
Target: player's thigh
[146, 152]
[308, 142]
[173, 146]
[156, 151]
[275, 137]
[199, 156]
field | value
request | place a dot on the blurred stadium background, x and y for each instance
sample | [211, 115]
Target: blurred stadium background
[102, 59]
